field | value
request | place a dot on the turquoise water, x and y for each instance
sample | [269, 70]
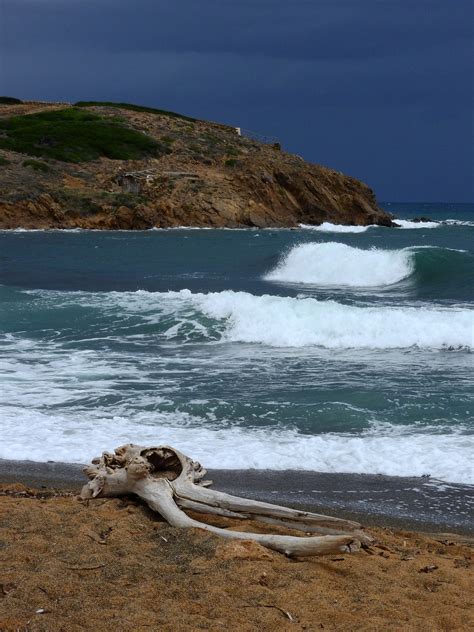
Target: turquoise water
[315, 349]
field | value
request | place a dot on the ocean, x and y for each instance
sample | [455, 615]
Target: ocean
[329, 349]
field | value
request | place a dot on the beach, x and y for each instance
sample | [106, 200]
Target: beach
[419, 504]
[72, 565]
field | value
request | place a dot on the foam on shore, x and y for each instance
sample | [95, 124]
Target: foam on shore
[390, 450]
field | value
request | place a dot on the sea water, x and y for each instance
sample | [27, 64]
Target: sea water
[333, 349]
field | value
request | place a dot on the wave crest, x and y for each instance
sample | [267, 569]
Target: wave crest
[298, 322]
[334, 264]
[279, 321]
[458, 222]
[406, 223]
[327, 227]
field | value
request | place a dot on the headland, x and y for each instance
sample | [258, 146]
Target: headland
[95, 165]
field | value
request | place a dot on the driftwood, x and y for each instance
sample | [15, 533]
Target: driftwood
[169, 481]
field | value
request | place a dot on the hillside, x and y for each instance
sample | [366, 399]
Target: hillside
[118, 166]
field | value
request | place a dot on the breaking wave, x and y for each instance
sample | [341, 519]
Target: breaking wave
[297, 322]
[335, 264]
[390, 450]
[278, 321]
[327, 227]
[406, 223]
[458, 222]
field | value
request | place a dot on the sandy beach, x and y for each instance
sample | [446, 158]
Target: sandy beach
[73, 565]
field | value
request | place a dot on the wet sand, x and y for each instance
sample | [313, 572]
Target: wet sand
[419, 504]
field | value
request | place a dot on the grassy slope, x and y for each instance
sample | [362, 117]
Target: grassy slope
[133, 108]
[10, 101]
[74, 135]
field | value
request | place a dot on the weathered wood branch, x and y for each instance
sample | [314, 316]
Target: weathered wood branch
[169, 481]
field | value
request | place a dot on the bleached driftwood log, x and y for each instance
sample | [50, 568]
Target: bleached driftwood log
[169, 481]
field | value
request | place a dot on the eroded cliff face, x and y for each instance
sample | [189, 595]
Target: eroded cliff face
[209, 176]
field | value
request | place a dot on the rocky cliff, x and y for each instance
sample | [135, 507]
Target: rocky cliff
[109, 167]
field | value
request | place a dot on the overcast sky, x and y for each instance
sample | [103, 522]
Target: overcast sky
[379, 89]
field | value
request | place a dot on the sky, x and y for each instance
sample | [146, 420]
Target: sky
[379, 89]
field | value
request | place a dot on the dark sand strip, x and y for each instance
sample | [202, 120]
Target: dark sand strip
[420, 504]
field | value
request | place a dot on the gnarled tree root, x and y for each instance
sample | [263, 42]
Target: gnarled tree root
[169, 481]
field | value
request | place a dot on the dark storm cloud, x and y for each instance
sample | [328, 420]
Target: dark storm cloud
[342, 82]
[290, 30]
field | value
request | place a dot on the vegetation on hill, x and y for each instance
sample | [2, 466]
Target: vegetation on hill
[37, 165]
[74, 135]
[133, 108]
[10, 101]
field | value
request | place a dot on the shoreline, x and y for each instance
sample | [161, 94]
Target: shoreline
[419, 504]
[328, 227]
[72, 566]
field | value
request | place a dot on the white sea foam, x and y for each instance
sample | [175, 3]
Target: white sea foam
[327, 227]
[335, 264]
[298, 322]
[406, 223]
[458, 222]
[281, 321]
[392, 451]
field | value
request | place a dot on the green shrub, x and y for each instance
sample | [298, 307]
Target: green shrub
[77, 202]
[74, 135]
[211, 139]
[3, 161]
[37, 165]
[233, 151]
[9, 101]
[167, 140]
[122, 199]
[230, 162]
[133, 108]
